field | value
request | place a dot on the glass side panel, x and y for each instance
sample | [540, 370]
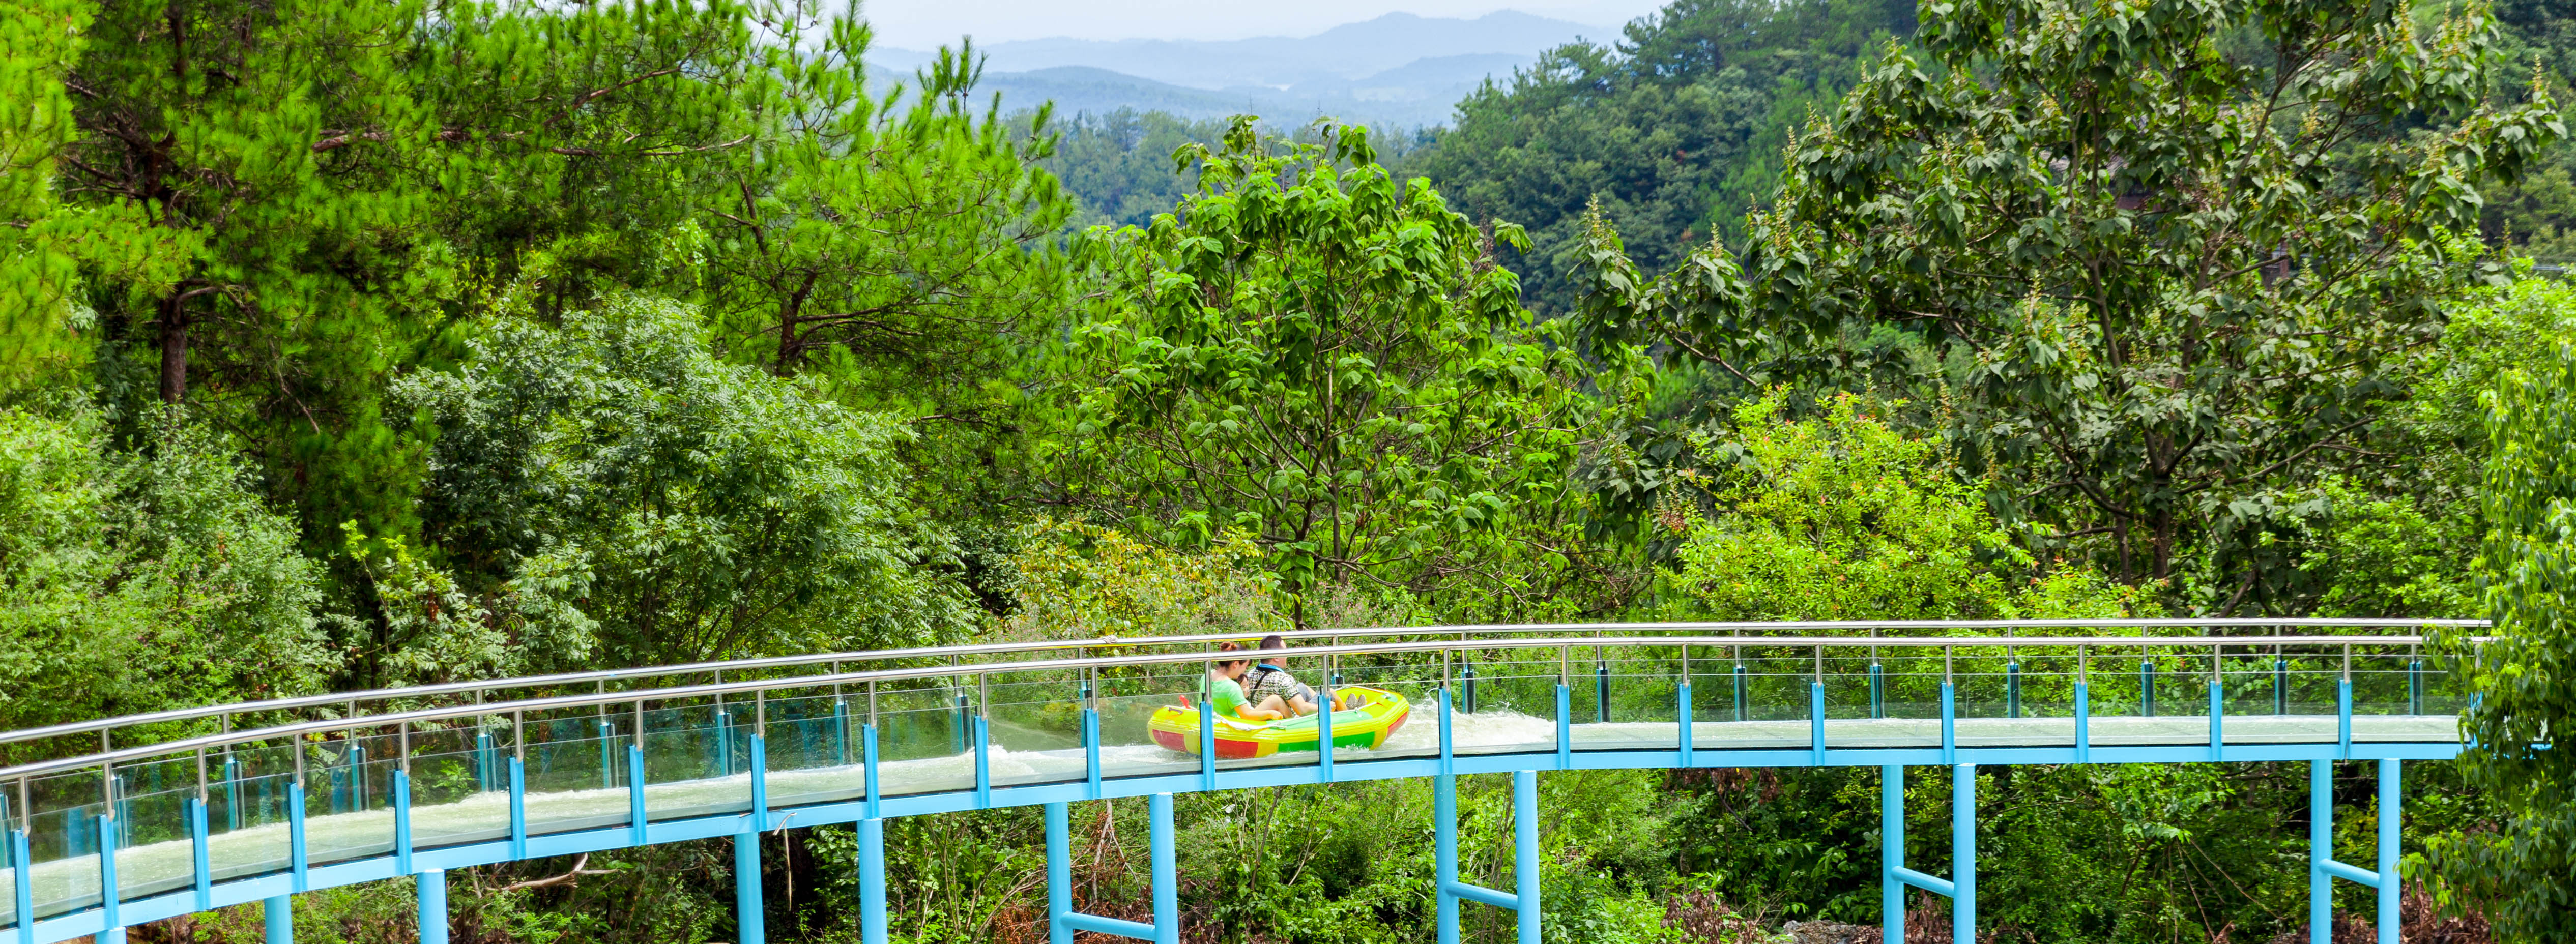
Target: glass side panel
[459, 785]
[812, 752]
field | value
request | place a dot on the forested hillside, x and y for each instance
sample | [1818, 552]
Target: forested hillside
[357, 345]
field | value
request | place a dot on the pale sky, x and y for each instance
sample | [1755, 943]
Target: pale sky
[924, 24]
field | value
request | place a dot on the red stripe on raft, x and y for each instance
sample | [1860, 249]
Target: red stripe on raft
[1189, 744]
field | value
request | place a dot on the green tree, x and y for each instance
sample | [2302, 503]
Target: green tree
[2523, 679]
[136, 582]
[1843, 517]
[2173, 257]
[631, 499]
[1327, 359]
[1674, 132]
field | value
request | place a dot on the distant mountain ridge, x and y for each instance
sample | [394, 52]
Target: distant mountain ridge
[1396, 71]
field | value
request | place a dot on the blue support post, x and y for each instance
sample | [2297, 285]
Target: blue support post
[1324, 736]
[868, 769]
[2012, 689]
[1963, 852]
[2389, 884]
[1564, 727]
[957, 724]
[1467, 676]
[2217, 721]
[2147, 688]
[402, 822]
[109, 891]
[1683, 708]
[2343, 720]
[2083, 723]
[1444, 844]
[1949, 725]
[2415, 687]
[1448, 749]
[1816, 718]
[300, 867]
[1207, 746]
[983, 763]
[759, 783]
[483, 772]
[22, 891]
[1091, 748]
[1525, 853]
[1961, 886]
[518, 808]
[747, 916]
[2320, 852]
[1891, 852]
[1167, 903]
[277, 915]
[635, 812]
[872, 895]
[432, 886]
[1059, 840]
[2280, 686]
[357, 759]
[200, 864]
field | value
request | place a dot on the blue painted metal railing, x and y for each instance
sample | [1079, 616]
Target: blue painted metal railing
[681, 779]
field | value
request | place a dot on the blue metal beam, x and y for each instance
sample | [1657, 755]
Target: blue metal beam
[432, 885]
[747, 913]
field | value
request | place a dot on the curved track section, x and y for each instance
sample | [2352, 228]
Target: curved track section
[184, 811]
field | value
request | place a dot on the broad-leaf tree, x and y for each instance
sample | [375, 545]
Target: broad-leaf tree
[2524, 678]
[2173, 254]
[1324, 356]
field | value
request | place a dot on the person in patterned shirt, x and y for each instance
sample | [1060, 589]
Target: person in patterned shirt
[1270, 678]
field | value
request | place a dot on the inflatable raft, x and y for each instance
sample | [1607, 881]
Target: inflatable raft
[1380, 714]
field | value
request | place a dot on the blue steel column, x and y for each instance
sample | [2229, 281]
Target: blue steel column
[1167, 893]
[1059, 841]
[433, 906]
[1963, 852]
[22, 890]
[2388, 881]
[1891, 847]
[747, 908]
[1444, 844]
[1525, 852]
[279, 915]
[2320, 849]
[109, 890]
[872, 904]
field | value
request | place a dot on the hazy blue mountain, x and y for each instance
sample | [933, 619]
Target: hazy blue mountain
[1396, 71]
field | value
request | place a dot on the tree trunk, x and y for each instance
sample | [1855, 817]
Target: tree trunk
[174, 351]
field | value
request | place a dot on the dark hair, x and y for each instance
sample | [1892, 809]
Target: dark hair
[1273, 641]
[1230, 647]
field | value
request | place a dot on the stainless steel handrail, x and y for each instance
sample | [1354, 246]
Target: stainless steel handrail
[489, 709]
[975, 649]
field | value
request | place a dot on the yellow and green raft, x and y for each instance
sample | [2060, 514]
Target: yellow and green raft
[1381, 713]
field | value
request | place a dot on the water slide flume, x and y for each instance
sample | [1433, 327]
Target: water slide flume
[1381, 713]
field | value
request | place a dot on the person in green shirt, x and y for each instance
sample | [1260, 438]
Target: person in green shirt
[1225, 693]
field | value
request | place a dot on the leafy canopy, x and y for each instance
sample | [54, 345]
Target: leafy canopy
[1327, 358]
[1841, 516]
[2171, 253]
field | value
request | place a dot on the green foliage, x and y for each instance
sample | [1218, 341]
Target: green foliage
[1328, 361]
[136, 582]
[1844, 517]
[2524, 679]
[904, 255]
[1673, 132]
[1119, 165]
[2172, 254]
[1072, 579]
[614, 472]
